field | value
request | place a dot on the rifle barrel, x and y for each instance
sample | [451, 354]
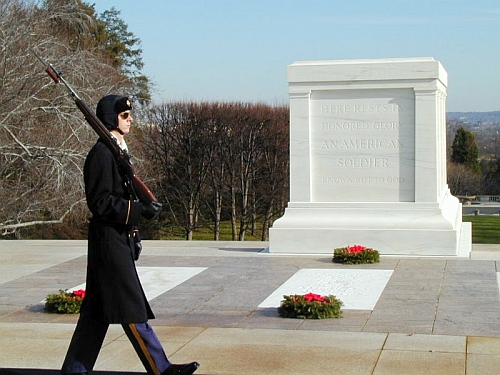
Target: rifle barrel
[140, 188]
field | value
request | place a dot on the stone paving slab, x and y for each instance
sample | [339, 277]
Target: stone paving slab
[443, 296]
[434, 313]
[260, 351]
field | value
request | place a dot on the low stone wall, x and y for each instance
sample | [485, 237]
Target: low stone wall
[481, 210]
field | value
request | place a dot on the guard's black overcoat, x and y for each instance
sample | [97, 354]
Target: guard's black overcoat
[114, 291]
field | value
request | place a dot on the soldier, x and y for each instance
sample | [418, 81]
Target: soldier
[114, 293]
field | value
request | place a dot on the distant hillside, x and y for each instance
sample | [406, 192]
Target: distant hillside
[474, 117]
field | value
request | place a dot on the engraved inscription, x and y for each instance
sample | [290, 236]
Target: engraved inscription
[361, 108]
[363, 162]
[361, 143]
[363, 180]
[379, 125]
[362, 138]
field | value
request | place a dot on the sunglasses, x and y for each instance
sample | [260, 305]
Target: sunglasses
[125, 115]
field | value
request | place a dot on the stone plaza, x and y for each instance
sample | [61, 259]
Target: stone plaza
[368, 166]
[433, 315]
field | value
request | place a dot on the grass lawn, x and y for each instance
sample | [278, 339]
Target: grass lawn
[206, 234]
[485, 229]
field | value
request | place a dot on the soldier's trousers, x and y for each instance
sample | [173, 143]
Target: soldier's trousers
[89, 335]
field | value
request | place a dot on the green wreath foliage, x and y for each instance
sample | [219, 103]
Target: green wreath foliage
[301, 307]
[64, 302]
[346, 255]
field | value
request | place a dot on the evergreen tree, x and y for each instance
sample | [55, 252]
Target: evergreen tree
[122, 48]
[77, 23]
[464, 149]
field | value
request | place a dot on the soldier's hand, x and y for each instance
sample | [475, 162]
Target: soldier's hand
[150, 209]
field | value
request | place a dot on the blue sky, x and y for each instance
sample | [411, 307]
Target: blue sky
[238, 50]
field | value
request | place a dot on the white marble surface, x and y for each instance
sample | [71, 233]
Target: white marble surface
[498, 279]
[358, 289]
[158, 280]
[368, 160]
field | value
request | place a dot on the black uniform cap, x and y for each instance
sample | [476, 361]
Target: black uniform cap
[109, 107]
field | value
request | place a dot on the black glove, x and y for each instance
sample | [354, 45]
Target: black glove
[151, 209]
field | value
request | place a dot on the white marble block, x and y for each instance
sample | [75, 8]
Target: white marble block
[368, 160]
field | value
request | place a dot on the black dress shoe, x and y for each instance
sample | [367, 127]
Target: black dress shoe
[185, 369]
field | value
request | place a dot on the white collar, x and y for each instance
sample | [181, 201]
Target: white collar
[122, 144]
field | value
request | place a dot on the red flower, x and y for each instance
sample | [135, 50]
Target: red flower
[355, 249]
[80, 293]
[311, 297]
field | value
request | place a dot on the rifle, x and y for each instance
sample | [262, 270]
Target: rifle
[139, 188]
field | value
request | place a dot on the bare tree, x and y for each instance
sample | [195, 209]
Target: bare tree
[218, 129]
[212, 156]
[43, 137]
[273, 171]
[253, 164]
[178, 145]
[463, 180]
[250, 121]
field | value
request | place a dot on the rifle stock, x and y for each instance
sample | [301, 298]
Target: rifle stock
[139, 188]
